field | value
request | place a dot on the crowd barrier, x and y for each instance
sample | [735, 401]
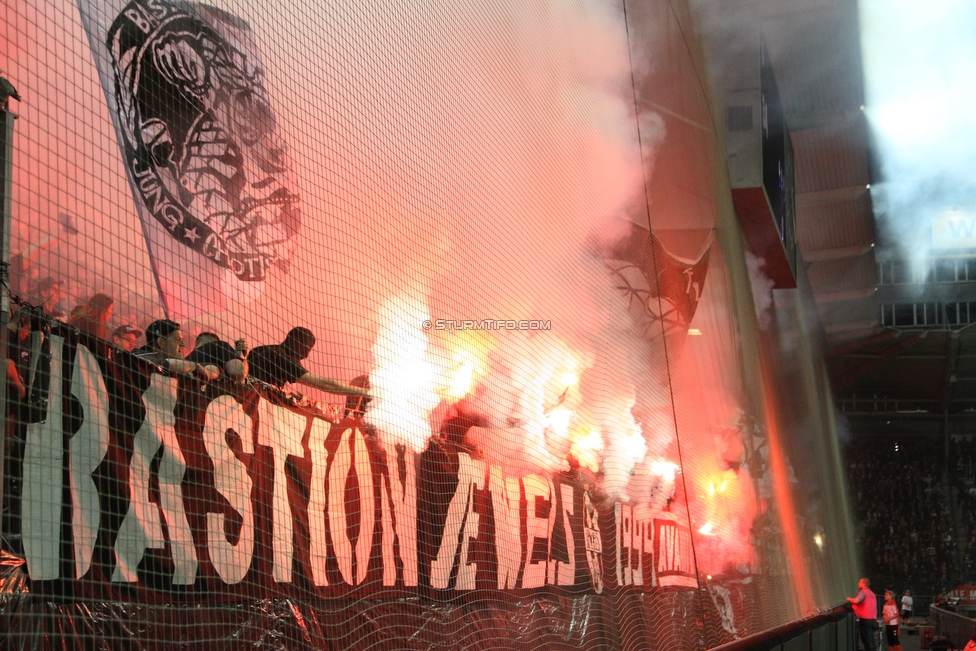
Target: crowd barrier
[833, 630]
[958, 629]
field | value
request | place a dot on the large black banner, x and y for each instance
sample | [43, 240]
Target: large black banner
[139, 483]
[142, 493]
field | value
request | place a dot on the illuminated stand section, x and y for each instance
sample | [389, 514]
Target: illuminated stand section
[579, 432]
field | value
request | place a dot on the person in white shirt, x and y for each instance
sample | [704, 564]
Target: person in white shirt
[906, 605]
[889, 612]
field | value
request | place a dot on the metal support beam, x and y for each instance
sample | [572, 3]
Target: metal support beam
[871, 364]
[843, 327]
[849, 295]
[902, 357]
[858, 345]
[853, 336]
[826, 119]
[838, 253]
[833, 195]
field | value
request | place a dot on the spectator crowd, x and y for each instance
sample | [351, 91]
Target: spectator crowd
[902, 502]
[274, 365]
[964, 467]
[159, 345]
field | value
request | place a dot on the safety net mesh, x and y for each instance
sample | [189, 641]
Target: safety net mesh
[380, 325]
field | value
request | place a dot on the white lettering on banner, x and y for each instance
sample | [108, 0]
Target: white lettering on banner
[158, 9]
[621, 520]
[41, 500]
[317, 501]
[475, 473]
[647, 551]
[281, 430]
[962, 228]
[674, 559]
[399, 515]
[538, 525]
[462, 525]
[141, 528]
[554, 519]
[530, 513]
[565, 573]
[632, 534]
[350, 464]
[87, 448]
[387, 519]
[137, 19]
[593, 541]
[169, 478]
[338, 471]
[506, 493]
[367, 505]
[637, 552]
[225, 415]
[672, 554]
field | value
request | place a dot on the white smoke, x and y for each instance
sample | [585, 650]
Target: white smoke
[454, 161]
[920, 62]
[762, 290]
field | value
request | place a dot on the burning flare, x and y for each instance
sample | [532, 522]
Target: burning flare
[403, 379]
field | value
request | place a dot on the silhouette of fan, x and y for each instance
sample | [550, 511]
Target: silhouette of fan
[68, 223]
[7, 90]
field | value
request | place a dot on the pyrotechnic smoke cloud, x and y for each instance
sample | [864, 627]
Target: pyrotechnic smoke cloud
[570, 168]
[919, 64]
[762, 289]
[455, 161]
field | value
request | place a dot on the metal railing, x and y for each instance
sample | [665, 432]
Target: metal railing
[832, 630]
[957, 628]
[946, 269]
[928, 314]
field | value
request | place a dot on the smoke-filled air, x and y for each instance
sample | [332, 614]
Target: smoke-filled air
[919, 65]
[442, 166]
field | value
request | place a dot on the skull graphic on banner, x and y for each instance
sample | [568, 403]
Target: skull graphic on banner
[200, 137]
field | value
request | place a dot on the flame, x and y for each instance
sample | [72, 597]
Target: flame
[587, 448]
[664, 469]
[559, 420]
[532, 394]
[635, 445]
[719, 484]
[460, 380]
[722, 495]
[467, 352]
[404, 374]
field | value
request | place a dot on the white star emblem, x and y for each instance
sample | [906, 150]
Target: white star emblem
[191, 234]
